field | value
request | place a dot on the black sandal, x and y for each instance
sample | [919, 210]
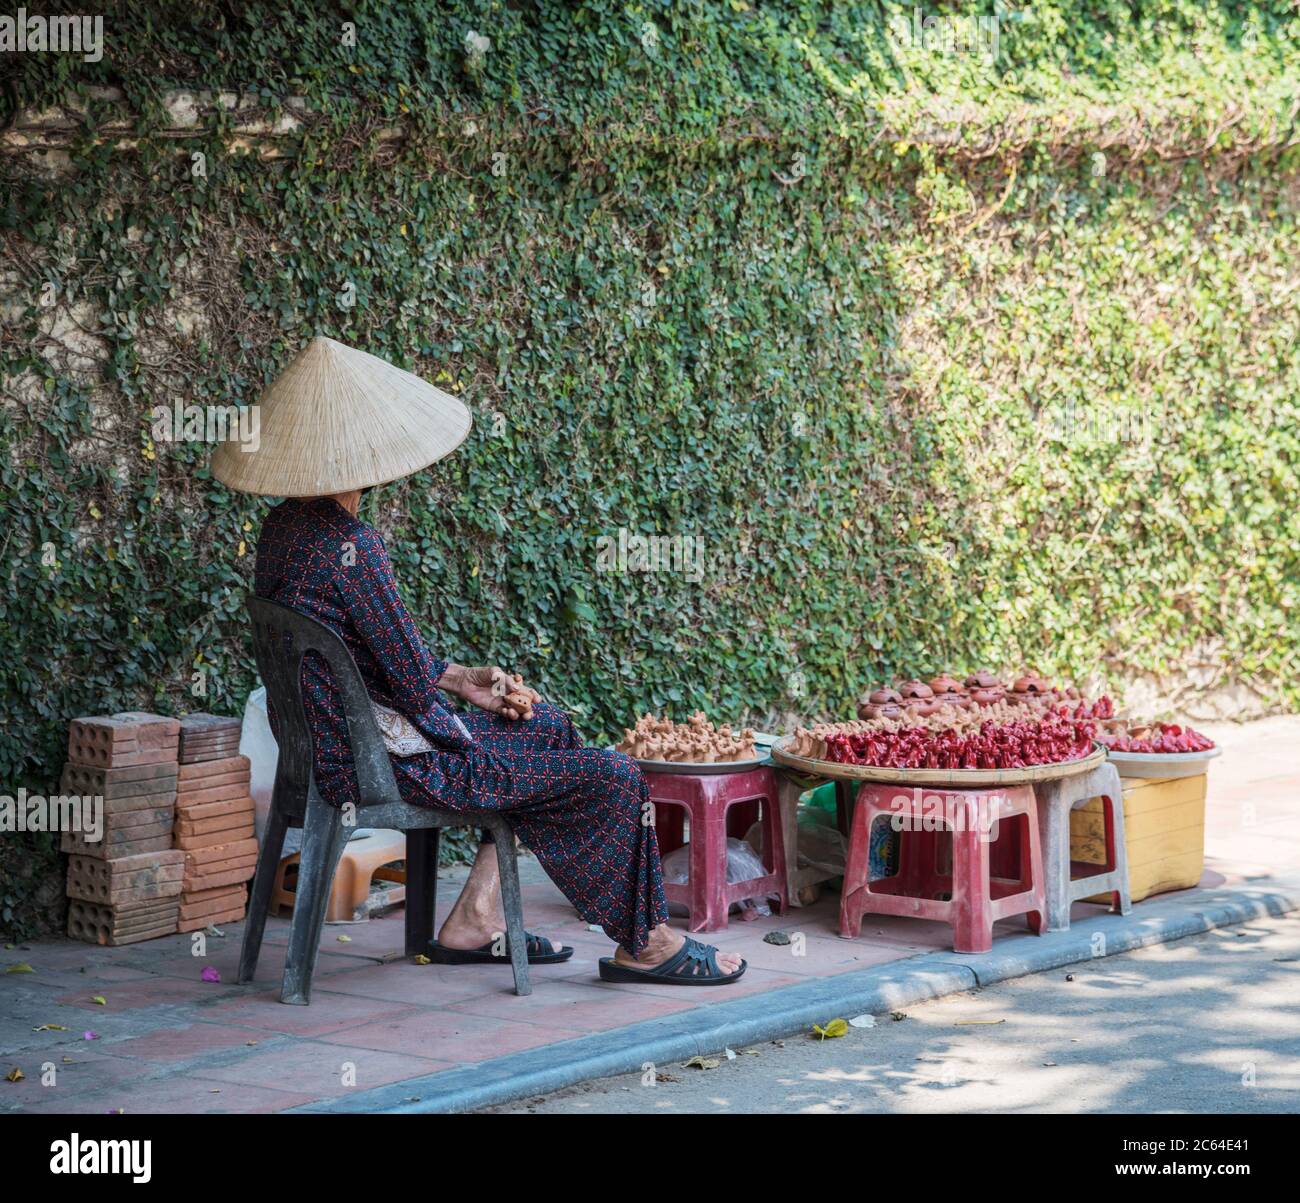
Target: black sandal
[694, 964]
[540, 952]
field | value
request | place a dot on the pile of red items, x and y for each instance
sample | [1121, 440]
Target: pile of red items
[1120, 735]
[1060, 735]
[948, 724]
[980, 723]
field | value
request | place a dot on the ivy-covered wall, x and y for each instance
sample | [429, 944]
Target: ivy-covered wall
[921, 347]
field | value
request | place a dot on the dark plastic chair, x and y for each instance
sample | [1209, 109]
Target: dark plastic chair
[281, 637]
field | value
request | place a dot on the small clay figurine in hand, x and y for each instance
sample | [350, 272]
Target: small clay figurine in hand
[517, 698]
[491, 689]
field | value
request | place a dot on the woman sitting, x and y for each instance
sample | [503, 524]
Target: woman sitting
[336, 422]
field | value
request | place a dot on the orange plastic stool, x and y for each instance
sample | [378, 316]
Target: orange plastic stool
[364, 861]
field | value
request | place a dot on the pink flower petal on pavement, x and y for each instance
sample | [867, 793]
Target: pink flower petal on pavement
[210, 974]
[90, 1035]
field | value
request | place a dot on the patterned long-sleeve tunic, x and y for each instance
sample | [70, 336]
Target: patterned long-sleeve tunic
[583, 811]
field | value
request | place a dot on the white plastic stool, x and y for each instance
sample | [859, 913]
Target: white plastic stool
[1056, 799]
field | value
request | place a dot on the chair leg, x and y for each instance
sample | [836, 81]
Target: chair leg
[421, 889]
[857, 866]
[843, 805]
[512, 903]
[972, 926]
[259, 899]
[1035, 863]
[1113, 807]
[774, 851]
[1054, 834]
[324, 838]
[787, 802]
[709, 907]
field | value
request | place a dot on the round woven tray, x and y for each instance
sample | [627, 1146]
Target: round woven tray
[957, 778]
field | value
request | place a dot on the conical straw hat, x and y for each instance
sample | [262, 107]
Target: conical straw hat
[337, 419]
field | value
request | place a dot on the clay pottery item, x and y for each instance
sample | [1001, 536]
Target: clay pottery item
[1032, 684]
[983, 679]
[915, 694]
[986, 696]
[880, 710]
[943, 683]
[869, 704]
[952, 698]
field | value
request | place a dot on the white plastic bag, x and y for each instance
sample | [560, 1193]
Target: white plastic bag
[743, 864]
[258, 744]
[821, 844]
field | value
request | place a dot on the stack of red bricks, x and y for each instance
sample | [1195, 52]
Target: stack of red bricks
[214, 822]
[126, 886]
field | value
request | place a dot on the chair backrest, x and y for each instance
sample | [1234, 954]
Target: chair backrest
[281, 638]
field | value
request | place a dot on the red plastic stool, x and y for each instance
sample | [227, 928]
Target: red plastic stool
[707, 800]
[975, 898]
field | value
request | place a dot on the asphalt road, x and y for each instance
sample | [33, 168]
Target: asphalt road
[1209, 1024]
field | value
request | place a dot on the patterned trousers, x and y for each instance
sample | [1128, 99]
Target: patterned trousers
[584, 812]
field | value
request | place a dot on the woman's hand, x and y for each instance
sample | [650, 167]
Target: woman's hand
[492, 689]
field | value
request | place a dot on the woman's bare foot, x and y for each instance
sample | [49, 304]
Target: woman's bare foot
[664, 943]
[477, 918]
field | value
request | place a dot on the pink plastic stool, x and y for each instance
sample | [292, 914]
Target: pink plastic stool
[707, 800]
[975, 898]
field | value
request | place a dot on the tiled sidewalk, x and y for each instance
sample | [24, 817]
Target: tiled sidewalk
[166, 1041]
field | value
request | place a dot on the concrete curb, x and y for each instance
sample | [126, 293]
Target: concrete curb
[790, 1009]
